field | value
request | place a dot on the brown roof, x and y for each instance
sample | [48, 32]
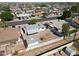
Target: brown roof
[8, 34]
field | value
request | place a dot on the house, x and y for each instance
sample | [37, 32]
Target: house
[40, 13]
[8, 39]
[34, 28]
[23, 15]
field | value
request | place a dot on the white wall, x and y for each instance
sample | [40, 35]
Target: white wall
[56, 50]
[44, 43]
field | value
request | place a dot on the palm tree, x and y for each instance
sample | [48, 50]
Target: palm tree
[65, 29]
[75, 34]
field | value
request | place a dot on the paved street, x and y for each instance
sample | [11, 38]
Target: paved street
[25, 21]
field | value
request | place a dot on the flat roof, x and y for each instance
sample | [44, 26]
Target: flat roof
[32, 28]
[32, 41]
[23, 15]
[8, 34]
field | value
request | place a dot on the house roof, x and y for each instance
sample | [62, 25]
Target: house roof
[8, 34]
[32, 28]
[32, 41]
[23, 15]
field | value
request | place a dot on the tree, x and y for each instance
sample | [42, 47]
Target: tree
[75, 9]
[4, 8]
[43, 5]
[75, 34]
[65, 29]
[6, 16]
[66, 14]
[2, 25]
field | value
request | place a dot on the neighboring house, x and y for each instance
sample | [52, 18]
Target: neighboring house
[15, 9]
[8, 39]
[56, 12]
[29, 11]
[70, 51]
[23, 15]
[40, 13]
[34, 28]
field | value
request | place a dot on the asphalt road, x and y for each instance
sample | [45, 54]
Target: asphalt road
[25, 21]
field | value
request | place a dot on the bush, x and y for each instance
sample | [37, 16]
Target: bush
[33, 21]
[72, 31]
[74, 9]
[4, 8]
[66, 14]
[3, 25]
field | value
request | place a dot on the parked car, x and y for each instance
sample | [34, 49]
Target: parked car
[49, 25]
[73, 24]
[56, 32]
[46, 25]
